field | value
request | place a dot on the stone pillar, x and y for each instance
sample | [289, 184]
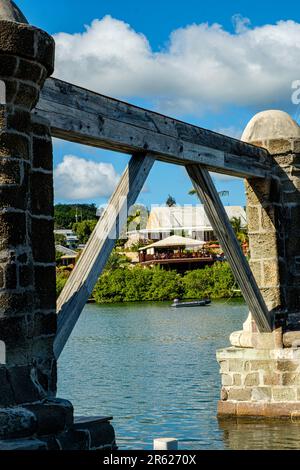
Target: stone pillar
[31, 417]
[26, 326]
[261, 372]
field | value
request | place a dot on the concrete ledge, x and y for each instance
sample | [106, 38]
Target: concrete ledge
[275, 410]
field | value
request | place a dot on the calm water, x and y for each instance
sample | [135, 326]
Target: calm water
[154, 369]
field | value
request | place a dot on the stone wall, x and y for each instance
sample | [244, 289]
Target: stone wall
[273, 212]
[31, 417]
[260, 382]
[27, 269]
[261, 372]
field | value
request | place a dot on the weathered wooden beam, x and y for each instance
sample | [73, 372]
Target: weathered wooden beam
[219, 220]
[85, 117]
[100, 245]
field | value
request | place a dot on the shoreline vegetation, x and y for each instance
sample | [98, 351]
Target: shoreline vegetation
[136, 284]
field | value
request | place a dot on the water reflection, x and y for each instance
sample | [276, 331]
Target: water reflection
[260, 434]
[154, 369]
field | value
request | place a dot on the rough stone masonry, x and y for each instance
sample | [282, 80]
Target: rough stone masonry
[31, 417]
[261, 372]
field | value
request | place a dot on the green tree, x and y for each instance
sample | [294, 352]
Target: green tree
[165, 285]
[240, 231]
[59, 239]
[65, 215]
[61, 279]
[116, 261]
[84, 229]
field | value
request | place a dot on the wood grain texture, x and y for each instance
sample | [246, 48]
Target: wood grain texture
[82, 116]
[99, 247]
[220, 222]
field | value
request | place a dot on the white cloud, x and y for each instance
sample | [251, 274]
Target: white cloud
[202, 67]
[78, 179]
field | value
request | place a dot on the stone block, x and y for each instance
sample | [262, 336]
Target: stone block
[12, 230]
[258, 191]
[279, 146]
[226, 408]
[272, 297]
[42, 194]
[251, 379]
[284, 393]
[268, 366]
[238, 365]
[23, 381]
[256, 268]
[261, 394]
[14, 145]
[287, 366]
[267, 340]
[27, 95]
[248, 409]
[43, 324]
[237, 379]
[43, 246]
[290, 378]
[44, 281]
[10, 173]
[268, 218]
[15, 304]
[1, 277]
[14, 333]
[11, 281]
[271, 273]
[25, 275]
[223, 366]
[8, 65]
[13, 196]
[42, 154]
[253, 218]
[227, 380]
[16, 423]
[272, 378]
[46, 370]
[22, 445]
[263, 246]
[19, 121]
[239, 394]
[42, 347]
[74, 440]
[224, 394]
[6, 393]
[102, 435]
[28, 42]
[29, 70]
[52, 416]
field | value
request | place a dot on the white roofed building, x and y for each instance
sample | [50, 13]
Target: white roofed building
[189, 221]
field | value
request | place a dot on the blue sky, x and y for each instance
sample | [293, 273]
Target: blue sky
[217, 77]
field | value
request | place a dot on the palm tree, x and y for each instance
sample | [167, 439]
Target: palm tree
[239, 230]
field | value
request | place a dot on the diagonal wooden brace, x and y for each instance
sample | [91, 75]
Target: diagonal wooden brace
[100, 245]
[219, 220]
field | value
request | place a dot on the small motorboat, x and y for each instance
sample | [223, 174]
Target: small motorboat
[195, 303]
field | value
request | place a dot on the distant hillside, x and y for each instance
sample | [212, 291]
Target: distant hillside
[66, 215]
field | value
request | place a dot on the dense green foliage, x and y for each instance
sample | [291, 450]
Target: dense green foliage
[138, 284]
[61, 279]
[65, 215]
[216, 282]
[84, 229]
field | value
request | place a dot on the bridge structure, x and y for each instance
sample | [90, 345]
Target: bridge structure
[261, 369]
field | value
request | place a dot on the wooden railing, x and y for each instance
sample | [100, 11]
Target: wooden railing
[177, 256]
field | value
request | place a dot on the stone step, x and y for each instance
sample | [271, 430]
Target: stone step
[22, 444]
[101, 432]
